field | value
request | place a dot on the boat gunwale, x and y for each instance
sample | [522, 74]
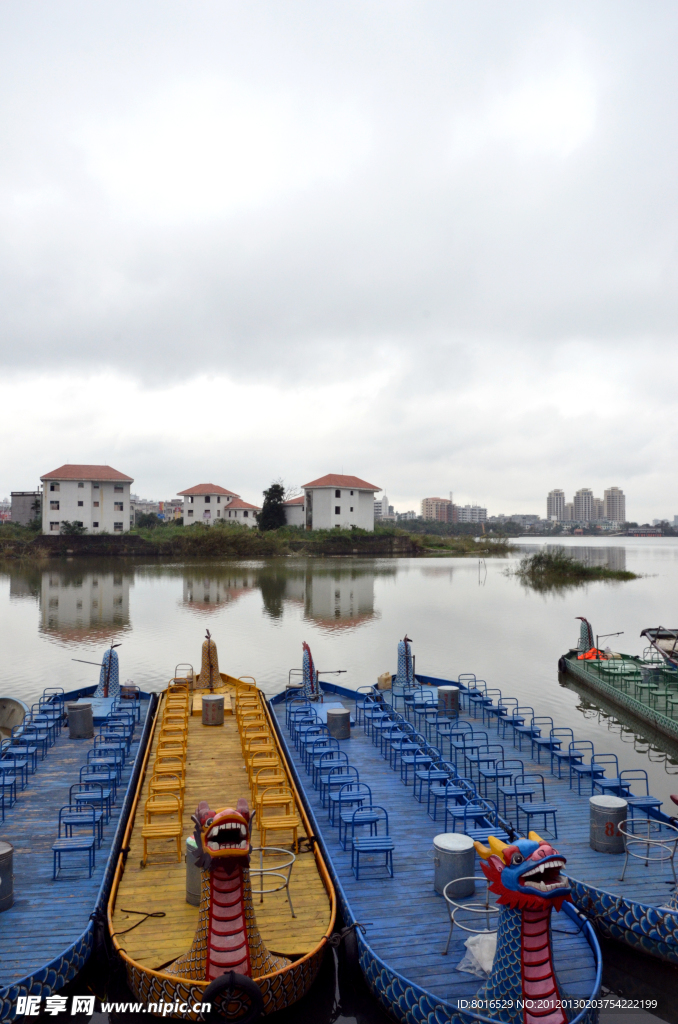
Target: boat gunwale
[320, 863]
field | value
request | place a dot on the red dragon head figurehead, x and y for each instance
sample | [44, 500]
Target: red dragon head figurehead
[222, 835]
[525, 875]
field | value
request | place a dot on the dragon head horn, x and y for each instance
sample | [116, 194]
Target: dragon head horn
[535, 838]
[496, 846]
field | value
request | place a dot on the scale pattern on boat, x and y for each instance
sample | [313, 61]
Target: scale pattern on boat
[649, 929]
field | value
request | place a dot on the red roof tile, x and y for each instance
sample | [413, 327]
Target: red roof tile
[239, 503]
[208, 489]
[335, 480]
[296, 501]
[72, 471]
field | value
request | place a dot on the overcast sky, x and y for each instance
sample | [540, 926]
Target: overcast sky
[432, 244]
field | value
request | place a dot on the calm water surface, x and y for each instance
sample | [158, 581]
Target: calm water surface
[464, 615]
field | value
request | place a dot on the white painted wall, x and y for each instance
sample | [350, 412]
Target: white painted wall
[196, 507]
[245, 516]
[101, 506]
[356, 508]
[295, 515]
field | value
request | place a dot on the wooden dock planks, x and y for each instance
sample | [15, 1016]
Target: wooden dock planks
[49, 916]
[214, 772]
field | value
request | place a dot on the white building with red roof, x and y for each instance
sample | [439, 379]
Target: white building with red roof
[295, 511]
[97, 497]
[341, 501]
[210, 504]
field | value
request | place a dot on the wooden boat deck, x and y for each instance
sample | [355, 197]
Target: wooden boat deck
[214, 772]
[406, 920]
[49, 916]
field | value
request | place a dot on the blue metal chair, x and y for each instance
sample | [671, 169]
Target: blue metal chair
[437, 772]
[505, 706]
[608, 783]
[488, 708]
[8, 785]
[322, 745]
[18, 765]
[364, 816]
[641, 801]
[75, 844]
[107, 777]
[465, 742]
[348, 795]
[326, 762]
[498, 772]
[516, 718]
[106, 757]
[584, 769]
[373, 844]
[561, 753]
[535, 809]
[80, 816]
[417, 758]
[454, 789]
[481, 755]
[515, 791]
[543, 738]
[335, 779]
[362, 695]
[402, 745]
[474, 810]
[93, 793]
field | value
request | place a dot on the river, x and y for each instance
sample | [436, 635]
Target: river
[463, 615]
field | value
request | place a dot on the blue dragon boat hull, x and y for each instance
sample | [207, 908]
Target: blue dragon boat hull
[30, 924]
[406, 998]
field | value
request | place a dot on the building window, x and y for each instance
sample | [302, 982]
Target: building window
[54, 527]
[190, 511]
[54, 602]
[54, 487]
[95, 525]
[207, 499]
[351, 493]
[117, 488]
[229, 514]
[245, 513]
[337, 494]
[218, 500]
[337, 510]
[190, 500]
[81, 503]
[79, 522]
[95, 486]
[218, 511]
[351, 508]
[54, 506]
[96, 504]
[117, 527]
[117, 506]
[81, 485]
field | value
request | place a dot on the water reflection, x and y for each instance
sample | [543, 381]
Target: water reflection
[77, 606]
[336, 597]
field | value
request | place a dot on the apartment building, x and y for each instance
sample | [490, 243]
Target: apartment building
[96, 497]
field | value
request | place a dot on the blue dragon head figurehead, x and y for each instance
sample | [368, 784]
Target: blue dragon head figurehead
[525, 874]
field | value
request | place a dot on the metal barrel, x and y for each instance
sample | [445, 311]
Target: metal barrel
[448, 700]
[193, 873]
[80, 721]
[6, 875]
[339, 723]
[454, 857]
[606, 814]
[212, 709]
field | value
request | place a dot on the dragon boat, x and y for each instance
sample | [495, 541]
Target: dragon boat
[646, 686]
[253, 936]
[377, 800]
[64, 804]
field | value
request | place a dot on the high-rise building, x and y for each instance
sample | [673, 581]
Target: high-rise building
[598, 509]
[615, 505]
[439, 509]
[471, 514]
[583, 505]
[568, 511]
[555, 505]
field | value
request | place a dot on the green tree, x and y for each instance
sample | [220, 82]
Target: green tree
[146, 519]
[72, 529]
[272, 515]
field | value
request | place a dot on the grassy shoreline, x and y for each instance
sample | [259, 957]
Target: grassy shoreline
[235, 541]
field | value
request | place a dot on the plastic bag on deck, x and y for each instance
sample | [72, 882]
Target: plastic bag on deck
[479, 955]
